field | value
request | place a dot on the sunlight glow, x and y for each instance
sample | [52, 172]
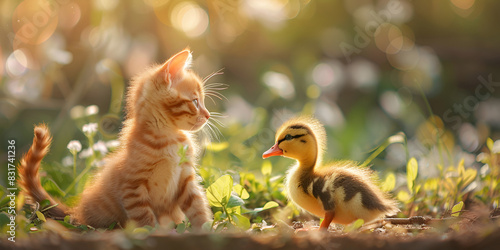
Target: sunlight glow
[1, 62]
[34, 22]
[329, 75]
[280, 84]
[463, 4]
[17, 63]
[364, 74]
[69, 15]
[190, 18]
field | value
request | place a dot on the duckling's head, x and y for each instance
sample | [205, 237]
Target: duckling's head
[302, 138]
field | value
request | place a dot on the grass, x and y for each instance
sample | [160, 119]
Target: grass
[247, 195]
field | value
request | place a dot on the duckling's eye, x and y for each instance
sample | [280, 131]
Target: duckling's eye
[288, 137]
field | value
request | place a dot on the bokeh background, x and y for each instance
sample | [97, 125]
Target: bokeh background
[367, 69]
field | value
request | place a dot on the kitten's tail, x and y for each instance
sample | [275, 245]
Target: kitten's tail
[28, 171]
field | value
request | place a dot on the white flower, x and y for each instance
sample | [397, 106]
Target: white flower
[99, 164]
[496, 147]
[113, 144]
[90, 129]
[86, 153]
[91, 110]
[74, 146]
[67, 161]
[101, 147]
[77, 112]
[482, 157]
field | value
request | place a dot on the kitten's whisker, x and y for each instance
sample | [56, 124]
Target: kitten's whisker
[218, 122]
[213, 96]
[214, 89]
[218, 72]
[212, 132]
[219, 85]
[215, 86]
[217, 114]
[207, 138]
[216, 94]
[211, 99]
[215, 130]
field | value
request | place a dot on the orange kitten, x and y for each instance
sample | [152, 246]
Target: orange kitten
[144, 180]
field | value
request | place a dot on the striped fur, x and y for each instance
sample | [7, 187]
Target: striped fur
[28, 171]
[143, 181]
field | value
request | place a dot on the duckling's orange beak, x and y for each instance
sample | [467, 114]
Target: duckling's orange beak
[273, 151]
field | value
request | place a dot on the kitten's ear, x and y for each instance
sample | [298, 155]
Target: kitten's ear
[173, 66]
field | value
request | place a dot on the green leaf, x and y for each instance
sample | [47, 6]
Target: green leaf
[67, 225]
[111, 227]
[235, 201]
[403, 196]
[219, 192]
[4, 202]
[241, 191]
[455, 211]
[221, 226]
[141, 232]
[411, 172]
[216, 147]
[354, 226]
[83, 227]
[389, 182]
[268, 205]
[431, 184]
[207, 226]
[40, 216]
[49, 207]
[53, 189]
[469, 176]
[4, 219]
[461, 167]
[44, 203]
[266, 168]
[182, 153]
[489, 143]
[181, 228]
[218, 216]
[241, 221]
[417, 188]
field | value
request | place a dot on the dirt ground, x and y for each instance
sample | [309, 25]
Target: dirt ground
[303, 240]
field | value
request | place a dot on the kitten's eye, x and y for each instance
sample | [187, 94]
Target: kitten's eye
[288, 137]
[195, 102]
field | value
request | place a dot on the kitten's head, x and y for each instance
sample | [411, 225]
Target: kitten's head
[177, 94]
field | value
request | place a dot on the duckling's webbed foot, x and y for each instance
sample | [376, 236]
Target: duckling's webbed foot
[327, 220]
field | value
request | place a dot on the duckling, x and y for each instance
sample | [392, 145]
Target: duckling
[340, 192]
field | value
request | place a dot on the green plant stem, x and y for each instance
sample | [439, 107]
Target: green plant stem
[227, 214]
[89, 166]
[74, 165]
[440, 143]
[397, 138]
[77, 179]
[91, 146]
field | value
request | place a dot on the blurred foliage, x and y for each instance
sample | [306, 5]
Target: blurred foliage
[367, 69]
